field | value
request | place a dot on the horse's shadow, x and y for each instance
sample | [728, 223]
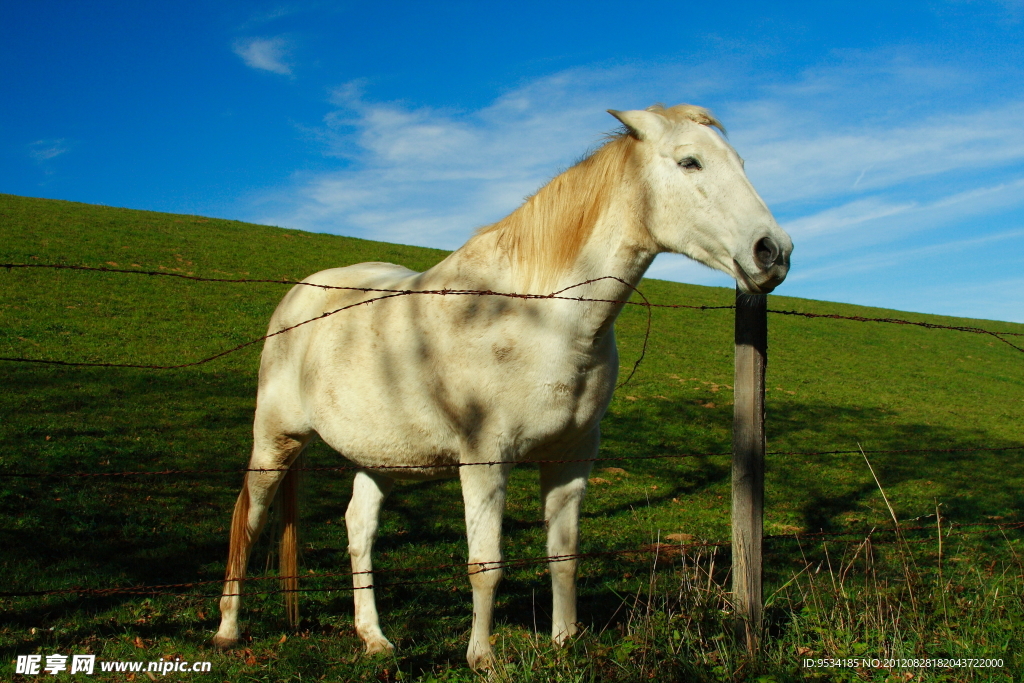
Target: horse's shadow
[173, 529]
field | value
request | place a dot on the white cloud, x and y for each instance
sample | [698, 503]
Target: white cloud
[846, 267]
[799, 162]
[851, 215]
[44, 150]
[264, 53]
[264, 17]
[878, 220]
[430, 176]
[874, 154]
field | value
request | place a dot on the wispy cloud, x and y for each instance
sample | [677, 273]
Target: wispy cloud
[849, 266]
[267, 54]
[430, 176]
[865, 154]
[44, 150]
[260, 18]
[43, 153]
[876, 220]
[811, 161]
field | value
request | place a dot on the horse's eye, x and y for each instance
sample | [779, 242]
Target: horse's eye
[690, 164]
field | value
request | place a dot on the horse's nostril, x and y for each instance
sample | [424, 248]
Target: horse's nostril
[766, 252]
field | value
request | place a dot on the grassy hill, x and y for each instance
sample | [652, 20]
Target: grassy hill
[832, 385]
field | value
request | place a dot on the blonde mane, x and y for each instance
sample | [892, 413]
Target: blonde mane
[544, 237]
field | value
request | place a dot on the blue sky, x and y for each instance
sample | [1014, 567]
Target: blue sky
[887, 137]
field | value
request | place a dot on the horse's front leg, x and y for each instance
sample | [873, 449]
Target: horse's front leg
[483, 492]
[562, 489]
[362, 519]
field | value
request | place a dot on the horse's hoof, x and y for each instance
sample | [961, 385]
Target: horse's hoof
[480, 662]
[223, 642]
[378, 645]
[564, 635]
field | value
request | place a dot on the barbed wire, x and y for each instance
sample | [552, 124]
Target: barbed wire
[898, 321]
[61, 266]
[455, 292]
[390, 294]
[456, 465]
[656, 548]
[393, 293]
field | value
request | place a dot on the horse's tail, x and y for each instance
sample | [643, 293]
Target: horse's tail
[237, 555]
[288, 550]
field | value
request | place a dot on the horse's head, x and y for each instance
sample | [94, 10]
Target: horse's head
[700, 202]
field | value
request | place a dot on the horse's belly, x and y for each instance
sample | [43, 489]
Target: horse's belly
[378, 436]
[409, 386]
[424, 430]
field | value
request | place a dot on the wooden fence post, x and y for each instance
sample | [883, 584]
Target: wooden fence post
[748, 464]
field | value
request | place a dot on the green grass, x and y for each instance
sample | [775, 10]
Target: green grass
[832, 384]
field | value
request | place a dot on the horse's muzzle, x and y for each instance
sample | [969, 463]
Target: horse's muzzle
[771, 261]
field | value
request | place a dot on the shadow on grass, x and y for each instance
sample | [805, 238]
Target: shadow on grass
[139, 531]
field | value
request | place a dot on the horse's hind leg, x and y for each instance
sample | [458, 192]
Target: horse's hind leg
[562, 489]
[361, 519]
[272, 450]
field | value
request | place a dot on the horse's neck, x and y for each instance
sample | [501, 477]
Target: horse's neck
[617, 247]
[618, 250]
[609, 265]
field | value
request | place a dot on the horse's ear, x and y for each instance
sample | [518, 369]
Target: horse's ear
[643, 125]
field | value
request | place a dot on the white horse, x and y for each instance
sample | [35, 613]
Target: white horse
[433, 384]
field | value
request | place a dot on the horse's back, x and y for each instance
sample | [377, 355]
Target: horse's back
[343, 287]
[372, 275]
